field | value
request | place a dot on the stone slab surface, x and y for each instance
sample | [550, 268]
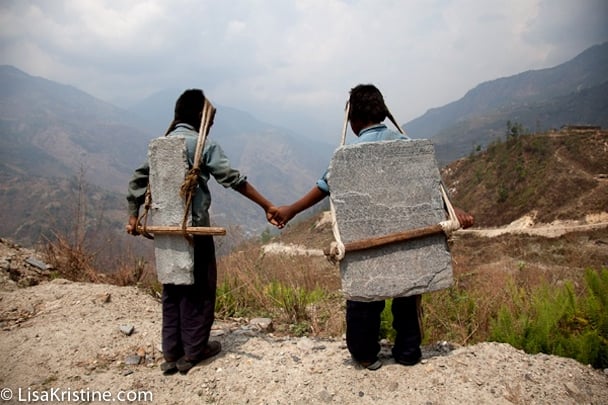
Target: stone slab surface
[379, 188]
[174, 255]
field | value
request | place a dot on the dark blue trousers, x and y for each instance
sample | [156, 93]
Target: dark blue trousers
[189, 310]
[363, 328]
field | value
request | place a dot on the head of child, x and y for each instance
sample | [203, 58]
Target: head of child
[367, 107]
[189, 108]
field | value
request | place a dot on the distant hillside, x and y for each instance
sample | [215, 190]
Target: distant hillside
[561, 175]
[49, 129]
[554, 176]
[53, 136]
[574, 92]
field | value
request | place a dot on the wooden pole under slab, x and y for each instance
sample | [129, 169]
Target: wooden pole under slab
[178, 230]
[390, 238]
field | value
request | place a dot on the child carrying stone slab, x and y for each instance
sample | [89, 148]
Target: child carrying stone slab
[362, 216]
[188, 299]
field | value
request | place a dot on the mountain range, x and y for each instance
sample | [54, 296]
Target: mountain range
[573, 93]
[55, 139]
[66, 156]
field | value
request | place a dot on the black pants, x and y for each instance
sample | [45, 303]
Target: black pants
[189, 310]
[363, 328]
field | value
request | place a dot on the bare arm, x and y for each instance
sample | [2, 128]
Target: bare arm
[286, 212]
[254, 195]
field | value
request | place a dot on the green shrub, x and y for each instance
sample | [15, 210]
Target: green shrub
[386, 322]
[557, 321]
[275, 299]
[232, 300]
[292, 300]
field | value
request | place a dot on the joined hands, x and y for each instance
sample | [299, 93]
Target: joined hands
[279, 216]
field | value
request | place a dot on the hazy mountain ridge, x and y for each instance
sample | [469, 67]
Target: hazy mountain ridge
[50, 131]
[53, 131]
[537, 99]
[37, 208]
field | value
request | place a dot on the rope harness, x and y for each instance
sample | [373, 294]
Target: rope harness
[337, 249]
[190, 184]
[188, 187]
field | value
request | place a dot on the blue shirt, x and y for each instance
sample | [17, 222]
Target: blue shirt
[374, 133]
[213, 163]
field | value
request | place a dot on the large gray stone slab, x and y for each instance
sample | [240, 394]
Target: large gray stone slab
[174, 254]
[379, 188]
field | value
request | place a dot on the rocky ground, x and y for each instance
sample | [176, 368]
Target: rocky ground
[77, 340]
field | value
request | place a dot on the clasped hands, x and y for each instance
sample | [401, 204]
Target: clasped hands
[279, 216]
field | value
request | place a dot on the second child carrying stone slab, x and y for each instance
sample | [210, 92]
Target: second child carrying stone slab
[383, 188]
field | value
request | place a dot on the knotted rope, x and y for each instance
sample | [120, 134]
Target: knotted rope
[142, 221]
[190, 183]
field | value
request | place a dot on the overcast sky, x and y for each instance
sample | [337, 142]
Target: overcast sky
[284, 59]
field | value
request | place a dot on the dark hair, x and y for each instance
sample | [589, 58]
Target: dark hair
[188, 109]
[367, 104]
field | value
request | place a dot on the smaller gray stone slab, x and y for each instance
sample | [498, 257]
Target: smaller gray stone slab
[379, 188]
[174, 254]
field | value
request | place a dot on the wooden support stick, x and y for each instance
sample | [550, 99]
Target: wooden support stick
[177, 230]
[390, 238]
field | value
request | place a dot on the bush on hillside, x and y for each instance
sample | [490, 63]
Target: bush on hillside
[557, 321]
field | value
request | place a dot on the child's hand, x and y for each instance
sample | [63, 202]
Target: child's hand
[132, 226]
[283, 215]
[270, 216]
[466, 220]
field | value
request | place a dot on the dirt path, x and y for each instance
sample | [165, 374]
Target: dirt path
[525, 225]
[553, 230]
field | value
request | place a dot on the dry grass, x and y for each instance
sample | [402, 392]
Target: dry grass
[77, 261]
[302, 293]
[299, 293]
[490, 272]
[71, 260]
[486, 272]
